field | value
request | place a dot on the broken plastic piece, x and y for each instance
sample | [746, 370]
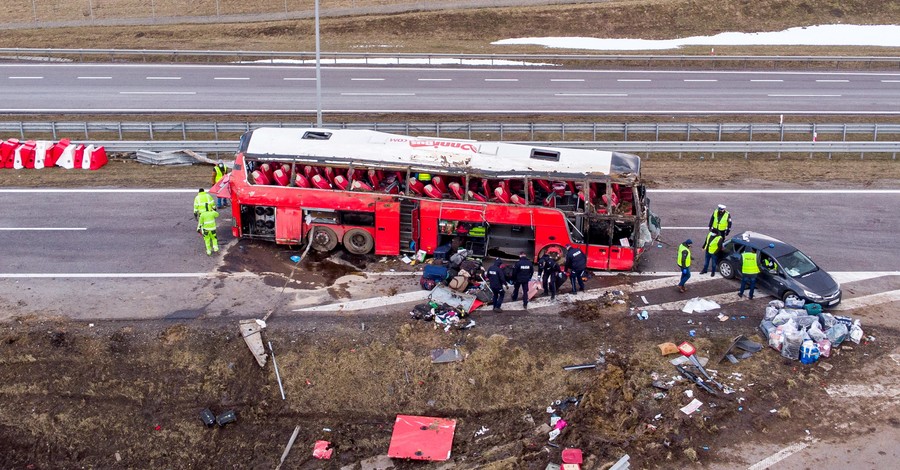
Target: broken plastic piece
[322, 450]
[251, 331]
[667, 348]
[227, 417]
[442, 356]
[421, 438]
[208, 418]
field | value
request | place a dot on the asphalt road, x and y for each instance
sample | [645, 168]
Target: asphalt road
[154, 232]
[137, 88]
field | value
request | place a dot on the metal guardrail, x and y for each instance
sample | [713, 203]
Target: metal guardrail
[646, 147]
[469, 130]
[36, 54]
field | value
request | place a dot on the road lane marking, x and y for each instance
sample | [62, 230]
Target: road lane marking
[157, 92]
[868, 300]
[163, 78]
[501, 79]
[362, 304]
[231, 78]
[772, 80]
[378, 94]
[804, 96]
[686, 228]
[779, 191]
[26, 78]
[40, 229]
[831, 81]
[633, 80]
[700, 80]
[780, 455]
[366, 79]
[94, 78]
[300, 79]
[590, 94]
[435, 79]
[883, 81]
[566, 79]
[100, 275]
[96, 190]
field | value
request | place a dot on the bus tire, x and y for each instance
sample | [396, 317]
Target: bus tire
[358, 241]
[561, 250]
[324, 239]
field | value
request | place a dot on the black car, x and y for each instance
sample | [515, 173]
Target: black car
[793, 274]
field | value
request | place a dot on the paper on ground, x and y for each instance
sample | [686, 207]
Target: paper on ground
[699, 305]
[691, 407]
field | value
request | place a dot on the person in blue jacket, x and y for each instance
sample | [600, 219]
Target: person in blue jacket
[496, 280]
[576, 263]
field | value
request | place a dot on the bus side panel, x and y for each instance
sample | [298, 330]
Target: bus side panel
[288, 225]
[621, 258]
[428, 234]
[598, 257]
[387, 228]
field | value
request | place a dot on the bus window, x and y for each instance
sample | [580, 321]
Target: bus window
[598, 232]
[623, 233]
[322, 217]
[359, 219]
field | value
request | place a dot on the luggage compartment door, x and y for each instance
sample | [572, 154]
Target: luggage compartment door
[387, 228]
[288, 225]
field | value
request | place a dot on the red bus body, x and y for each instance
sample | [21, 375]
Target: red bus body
[388, 217]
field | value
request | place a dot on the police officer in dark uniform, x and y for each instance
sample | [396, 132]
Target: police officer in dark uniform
[524, 270]
[576, 263]
[496, 279]
[546, 266]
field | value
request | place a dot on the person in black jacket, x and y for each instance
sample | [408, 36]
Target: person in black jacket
[557, 279]
[576, 263]
[546, 266]
[524, 270]
[496, 279]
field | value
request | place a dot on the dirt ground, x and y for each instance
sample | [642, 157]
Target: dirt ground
[128, 394]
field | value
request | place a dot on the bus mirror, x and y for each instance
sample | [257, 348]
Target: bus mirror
[549, 155]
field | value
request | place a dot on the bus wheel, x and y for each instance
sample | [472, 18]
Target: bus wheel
[358, 241]
[324, 239]
[559, 249]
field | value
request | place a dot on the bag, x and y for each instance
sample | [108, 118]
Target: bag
[427, 284]
[470, 265]
[794, 303]
[459, 283]
[435, 273]
[837, 334]
[534, 288]
[813, 309]
[771, 311]
[815, 332]
[484, 295]
[793, 342]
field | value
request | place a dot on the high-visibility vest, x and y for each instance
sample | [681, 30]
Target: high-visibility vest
[720, 222]
[424, 177]
[220, 173]
[207, 221]
[749, 264]
[712, 245]
[478, 231]
[687, 260]
[204, 202]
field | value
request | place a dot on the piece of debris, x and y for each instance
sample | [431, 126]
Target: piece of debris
[661, 385]
[621, 464]
[443, 356]
[208, 418]
[722, 317]
[171, 158]
[322, 450]
[699, 305]
[118, 457]
[421, 438]
[251, 330]
[227, 417]
[580, 367]
[691, 407]
[277, 374]
[572, 456]
[287, 448]
[481, 431]
[667, 348]
[645, 300]
[741, 343]
[643, 315]
[682, 360]
[826, 366]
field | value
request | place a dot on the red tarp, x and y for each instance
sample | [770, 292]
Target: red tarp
[422, 438]
[222, 188]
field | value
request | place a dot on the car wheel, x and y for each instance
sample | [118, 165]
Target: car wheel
[790, 295]
[358, 241]
[324, 239]
[726, 269]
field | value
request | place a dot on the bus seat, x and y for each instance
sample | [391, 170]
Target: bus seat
[550, 201]
[319, 182]
[281, 178]
[504, 184]
[516, 199]
[486, 187]
[456, 190]
[432, 192]
[572, 187]
[590, 198]
[267, 169]
[310, 171]
[531, 193]
[351, 174]
[439, 184]
[416, 186]
[375, 178]
[260, 178]
[393, 188]
[473, 196]
[501, 194]
[360, 185]
[330, 174]
[301, 181]
[544, 185]
[559, 187]
[340, 182]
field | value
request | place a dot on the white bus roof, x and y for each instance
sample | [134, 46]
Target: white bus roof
[342, 146]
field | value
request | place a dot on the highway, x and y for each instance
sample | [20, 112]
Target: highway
[162, 88]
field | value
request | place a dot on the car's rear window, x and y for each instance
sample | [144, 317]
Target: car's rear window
[797, 264]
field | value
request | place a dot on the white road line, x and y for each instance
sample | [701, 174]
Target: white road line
[231, 78]
[804, 96]
[633, 80]
[101, 275]
[96, 190]
[157, 92]
[700, 80]
[163, 78]
[868, 300]
[590, 94]
[778, 191]
[435, 79]
[94, 78]
[883, 81]
[780, 455]
[26, 78]
[766, 80]
[368, 303]
[40, 229]
[378, 94]
[855, 276]
[566, 79]
[831, 81]
[501, 79]
[305, 79]
[367, 79]
[685, 228]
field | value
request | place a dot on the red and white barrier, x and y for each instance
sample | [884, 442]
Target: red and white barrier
[42, 154]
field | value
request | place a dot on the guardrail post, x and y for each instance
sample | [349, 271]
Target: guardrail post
[688, 137]
[22, 130]
[843, 137]
[53, 128]
[625, 132]
[594, 131]
[657, 132]
[719, 133]
[183, 131]
[782, 132]
[875, 134]
[750, 137]
[120, 131]
[86, 136]
[150, 126]
[562, 132]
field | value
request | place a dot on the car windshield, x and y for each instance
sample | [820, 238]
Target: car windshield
[797, 264]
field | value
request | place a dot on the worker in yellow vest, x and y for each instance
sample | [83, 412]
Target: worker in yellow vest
[720, 220]
[749, 270]
[206, 226]
[711, 248]
[219, 172]
[683, 260]
[203, 202]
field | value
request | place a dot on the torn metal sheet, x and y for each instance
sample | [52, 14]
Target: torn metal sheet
[442, 356]
[444, 295]
[251, 331]
[422, 438]
[741, 343]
